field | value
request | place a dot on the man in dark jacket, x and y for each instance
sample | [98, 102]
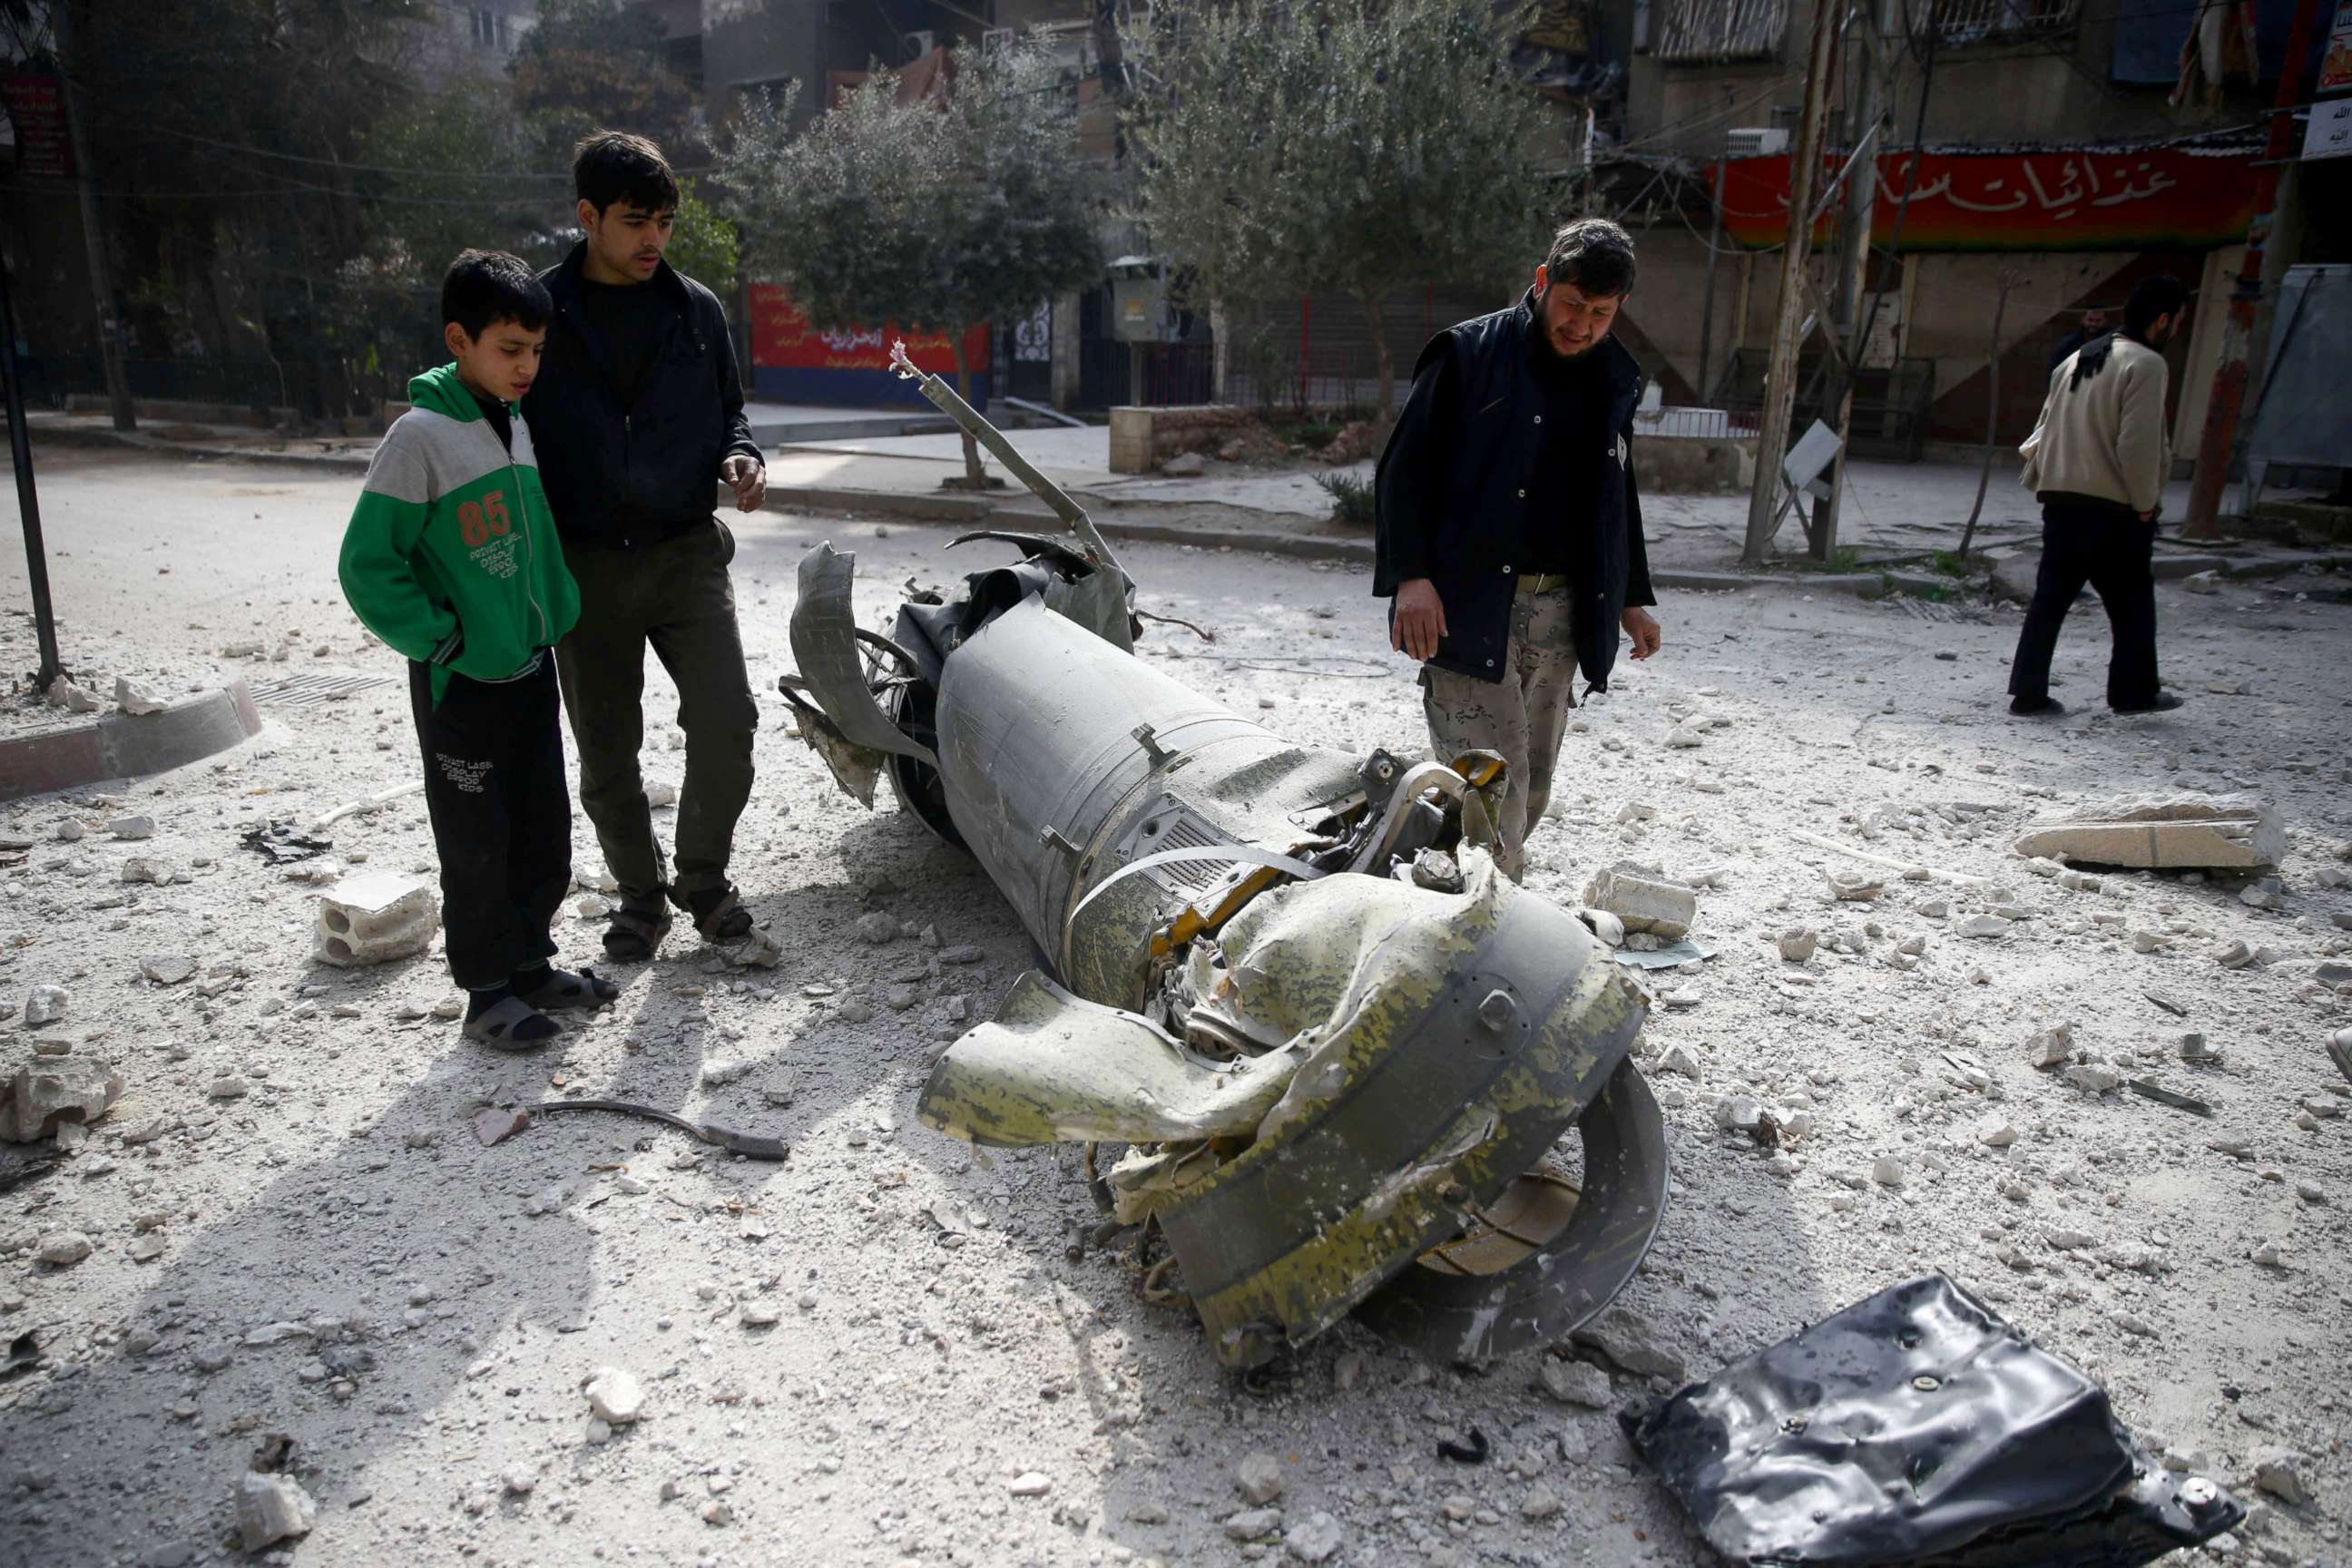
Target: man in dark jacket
[637, 412]
[2095, 325]
[1509, 525]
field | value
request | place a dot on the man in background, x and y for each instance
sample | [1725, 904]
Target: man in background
[2098, 461]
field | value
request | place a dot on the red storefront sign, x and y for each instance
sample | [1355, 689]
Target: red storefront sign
[784, 339]
[795, 360]
[2147, 198]
[37, 110]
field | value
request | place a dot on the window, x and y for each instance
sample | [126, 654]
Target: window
[1973, 21]
[485, 27]
[1693, 32]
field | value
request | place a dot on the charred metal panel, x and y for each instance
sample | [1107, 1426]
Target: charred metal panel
[1918, 1429]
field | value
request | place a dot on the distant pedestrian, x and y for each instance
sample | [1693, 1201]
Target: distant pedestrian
[451, 558]
[2095, 325]
[1509, 529]
[640, 417]
[2098, 461]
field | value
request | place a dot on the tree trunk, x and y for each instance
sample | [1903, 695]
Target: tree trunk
[1386, 410]
[974, 476]
[1992, 410]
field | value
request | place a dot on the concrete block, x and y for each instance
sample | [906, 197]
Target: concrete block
[51, 1091]
[2160, 832]
[1642, 902]
[375, 918]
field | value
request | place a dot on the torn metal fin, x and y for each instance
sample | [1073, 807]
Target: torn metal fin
[1053, 1068]
[824, 645]
[854, 768]
[969, 419]
[1034, 544]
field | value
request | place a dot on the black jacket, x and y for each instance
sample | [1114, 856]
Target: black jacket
[618, 477]
[1438, 490]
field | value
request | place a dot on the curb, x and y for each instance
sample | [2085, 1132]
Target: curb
[121, 746]
[139, 441]
[976, 511]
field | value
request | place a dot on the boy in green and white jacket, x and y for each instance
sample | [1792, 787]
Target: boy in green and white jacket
[451, 558]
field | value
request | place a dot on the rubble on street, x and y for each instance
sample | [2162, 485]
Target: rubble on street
[270, 1193]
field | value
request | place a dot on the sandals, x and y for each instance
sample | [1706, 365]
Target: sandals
[631, 935]
[563, 990]
[512, 1025]
[725, 920]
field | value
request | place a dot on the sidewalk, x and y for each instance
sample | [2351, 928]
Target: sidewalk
[1896, 517]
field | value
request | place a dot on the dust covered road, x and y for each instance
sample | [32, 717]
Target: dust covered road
[893, 1346]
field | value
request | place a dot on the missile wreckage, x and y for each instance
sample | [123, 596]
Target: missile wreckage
[1305, 1027]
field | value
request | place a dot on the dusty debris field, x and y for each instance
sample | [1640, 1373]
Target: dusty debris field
[892, 1346]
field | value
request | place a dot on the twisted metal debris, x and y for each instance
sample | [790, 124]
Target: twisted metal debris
[1341, 1051]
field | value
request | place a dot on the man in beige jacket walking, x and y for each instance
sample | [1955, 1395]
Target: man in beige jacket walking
[2098, 462]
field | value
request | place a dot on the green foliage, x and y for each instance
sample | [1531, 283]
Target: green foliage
[704, 246]
[1347, 146]
[594, 64]
[481, 194]
[1351, 499]
[937, 214]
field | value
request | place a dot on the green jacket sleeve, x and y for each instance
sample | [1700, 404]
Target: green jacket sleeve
[378, 566]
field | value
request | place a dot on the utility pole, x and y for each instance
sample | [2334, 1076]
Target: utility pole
[29, 504]
[2231, 373]
[102, 277]
[1872, 111]
[1780, 373]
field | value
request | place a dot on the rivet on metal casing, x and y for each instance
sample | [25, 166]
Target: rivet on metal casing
[2199, 1493]
[1498, 1010]
[1927, 1385]
[1455, 1192]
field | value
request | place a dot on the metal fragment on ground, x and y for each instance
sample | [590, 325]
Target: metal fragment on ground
[1917, 1428]
[1340, 1049]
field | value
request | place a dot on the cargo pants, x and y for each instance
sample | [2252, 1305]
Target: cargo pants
[675, 599]
[1522, 716]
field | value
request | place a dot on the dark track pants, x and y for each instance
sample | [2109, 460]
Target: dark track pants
[2110, 549]
[501, 811]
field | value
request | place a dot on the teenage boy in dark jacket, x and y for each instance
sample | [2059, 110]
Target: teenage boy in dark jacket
[639, 412]
[451, 558]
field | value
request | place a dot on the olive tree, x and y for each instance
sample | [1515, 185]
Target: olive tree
[941, 212]
[1355, 147]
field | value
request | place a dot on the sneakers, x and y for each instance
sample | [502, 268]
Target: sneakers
[2047, 707]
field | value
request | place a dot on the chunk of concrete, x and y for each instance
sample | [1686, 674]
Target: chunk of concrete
[1643, 902]
[374, 918]
[2154, 833]
[136, 700]
[50, 1092]
[272, 1508]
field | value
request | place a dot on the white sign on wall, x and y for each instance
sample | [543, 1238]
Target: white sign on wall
[2330, 132]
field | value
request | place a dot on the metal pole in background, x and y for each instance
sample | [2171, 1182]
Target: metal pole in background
[1781, 373]
[1872, 113]
[20, 448]
[2231, 372]
[1714, 246]
[102, 277]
